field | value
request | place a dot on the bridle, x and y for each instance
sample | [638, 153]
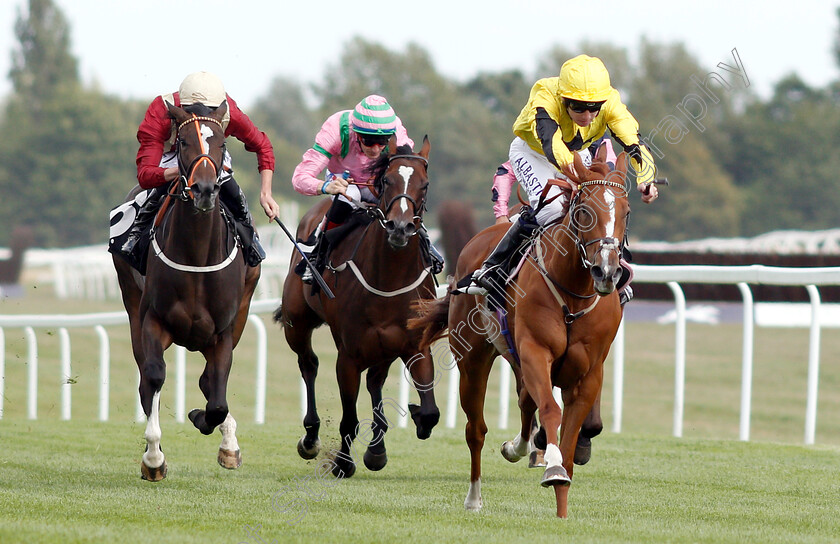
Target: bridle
[380, 213]
[186, 173]
[609, 243]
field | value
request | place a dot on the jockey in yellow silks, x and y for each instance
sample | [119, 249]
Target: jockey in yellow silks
[565, 114]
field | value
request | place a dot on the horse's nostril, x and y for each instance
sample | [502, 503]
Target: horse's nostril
[597, 272]
[389, 227]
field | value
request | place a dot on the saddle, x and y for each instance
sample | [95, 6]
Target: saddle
[330, 240]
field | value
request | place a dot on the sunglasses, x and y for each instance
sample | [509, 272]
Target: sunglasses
[370, 140]
[580, 107]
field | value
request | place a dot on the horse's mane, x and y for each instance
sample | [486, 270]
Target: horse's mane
[377, 168]
[199, 109]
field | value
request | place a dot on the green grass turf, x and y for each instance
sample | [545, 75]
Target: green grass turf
[79, 482]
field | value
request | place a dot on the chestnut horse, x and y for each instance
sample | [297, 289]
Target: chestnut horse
[196, 292]
[562, 314]
[381, 272]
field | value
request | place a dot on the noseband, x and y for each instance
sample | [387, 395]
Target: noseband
[187, 173]
[607, 242]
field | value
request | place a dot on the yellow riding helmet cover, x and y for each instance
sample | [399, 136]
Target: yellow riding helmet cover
[585, 78]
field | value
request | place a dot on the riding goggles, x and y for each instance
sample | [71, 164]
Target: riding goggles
[578, 106]
[374, 139]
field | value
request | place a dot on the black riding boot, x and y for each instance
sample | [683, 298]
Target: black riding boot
[429, 249]
[512, 239]
[234, 199]
[140, 227]
[338, 214]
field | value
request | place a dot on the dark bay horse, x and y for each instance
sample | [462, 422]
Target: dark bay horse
[196, 292]
[562, 314]
[376, 273]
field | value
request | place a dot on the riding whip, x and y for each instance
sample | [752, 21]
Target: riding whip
[309, 265]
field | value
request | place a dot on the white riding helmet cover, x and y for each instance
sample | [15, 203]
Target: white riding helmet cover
[202, 88]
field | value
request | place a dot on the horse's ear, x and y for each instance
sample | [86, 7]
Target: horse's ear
[601, 154]
[177, 113]
[219, 113]
[569, 172]
[621, 162]
[392, 145]
[424, 151]
[619, 175]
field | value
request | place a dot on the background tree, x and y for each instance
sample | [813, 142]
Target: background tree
[68, 155]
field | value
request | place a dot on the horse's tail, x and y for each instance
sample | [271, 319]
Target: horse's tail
[278, 314]
[432, 317]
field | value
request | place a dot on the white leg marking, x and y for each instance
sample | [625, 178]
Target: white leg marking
[228, 430]
[153, 458]
[520, 447]
[553, 457]
[405, 172]
[473, 500]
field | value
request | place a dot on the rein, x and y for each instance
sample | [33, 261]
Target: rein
[377, 214]
[607, 242]
[186, 180]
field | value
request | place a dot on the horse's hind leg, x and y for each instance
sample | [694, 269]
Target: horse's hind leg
[298, 322]
[375, 457]
[299, 338]
[420, 368]
[592, 427]
[516, 449]
[475, 368]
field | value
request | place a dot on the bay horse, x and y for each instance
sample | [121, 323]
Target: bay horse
[560, 317]
[381, 273]
[196, 292]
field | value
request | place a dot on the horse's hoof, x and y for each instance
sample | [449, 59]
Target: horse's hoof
[556, 475]
[375, 461]
[346, 471]
[308, 453]
[424, 422]
[153, 474]
[509, 453]
[469, 507]
[583, 450]
[230, 459]
[198, 420]
[537, 459]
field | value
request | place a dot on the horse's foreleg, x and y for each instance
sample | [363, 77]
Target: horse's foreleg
[421, 370]
[229, 454]
[536, 376]
[349, 378]
[152, 375]
[375, 457]
[213, 383]
[578, 402]
[592, 427]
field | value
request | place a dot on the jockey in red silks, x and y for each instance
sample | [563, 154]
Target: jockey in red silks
[349, 142]
[157, 161]
[565, 114]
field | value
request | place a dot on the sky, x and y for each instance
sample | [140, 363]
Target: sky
[140, 49]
